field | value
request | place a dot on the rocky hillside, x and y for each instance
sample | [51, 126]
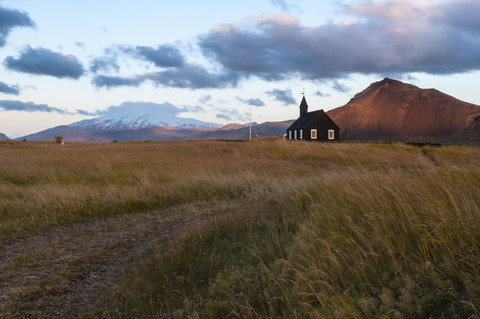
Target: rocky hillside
[390, 109]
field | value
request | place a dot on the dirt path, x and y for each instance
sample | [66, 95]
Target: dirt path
[63, 272]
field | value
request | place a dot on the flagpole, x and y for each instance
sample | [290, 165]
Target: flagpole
[250, 123]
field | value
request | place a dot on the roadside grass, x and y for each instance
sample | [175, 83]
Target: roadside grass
[295, 229]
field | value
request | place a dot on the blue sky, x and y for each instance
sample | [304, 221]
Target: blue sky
[63, 61]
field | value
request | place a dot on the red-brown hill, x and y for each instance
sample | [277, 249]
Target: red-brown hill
[394, 110]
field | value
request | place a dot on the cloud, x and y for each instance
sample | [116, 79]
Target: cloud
[162, 56]
[193, 77]
[86, 113]
[337, 86]
[116, 81]
[397, 10]
[173, 71]
[142, 108]
[223, 117]
[165, 112]
[194, 109]
[43, 61]
[10, 19]
[397, 36]
[321, 94]
[9, 89]
[232, 115]
[282, 4]
[252, 102]
[11, 105]
[205, 98]
[107, 63]
[187, 76]
[30, 107]
[284, 96]
[461, 15]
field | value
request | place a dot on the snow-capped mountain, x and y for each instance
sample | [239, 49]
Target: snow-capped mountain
[139, 121]
[138, 115]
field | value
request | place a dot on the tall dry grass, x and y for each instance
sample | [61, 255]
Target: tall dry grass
[296, 230]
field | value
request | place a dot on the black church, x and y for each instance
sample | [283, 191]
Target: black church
[313, 126]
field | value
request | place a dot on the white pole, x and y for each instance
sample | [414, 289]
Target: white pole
[250, 123]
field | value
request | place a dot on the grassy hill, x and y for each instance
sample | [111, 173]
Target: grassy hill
[288, 229]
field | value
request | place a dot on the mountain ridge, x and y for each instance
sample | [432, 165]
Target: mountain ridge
[390, 109]
[138, 115]
[231, 132]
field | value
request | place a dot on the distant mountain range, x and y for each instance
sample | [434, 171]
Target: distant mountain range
[3, 137]
[388, 110]
[159, 133]
[139, 121]
[395, 111]
[141, 115]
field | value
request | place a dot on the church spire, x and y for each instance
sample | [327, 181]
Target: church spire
[303, 106]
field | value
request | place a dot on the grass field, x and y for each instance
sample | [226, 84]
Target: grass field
[292, 229]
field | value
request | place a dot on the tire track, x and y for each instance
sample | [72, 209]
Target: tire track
[63, 272]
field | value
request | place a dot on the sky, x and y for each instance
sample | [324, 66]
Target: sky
[63, 61]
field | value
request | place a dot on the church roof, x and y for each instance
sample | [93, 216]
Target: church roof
[304, 120]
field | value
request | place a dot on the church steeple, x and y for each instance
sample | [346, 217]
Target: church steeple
[303, 106]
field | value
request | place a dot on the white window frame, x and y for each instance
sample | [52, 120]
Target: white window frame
[289, 135]
[301, 134]
[295, 134]
[313, 134]
[331, 134]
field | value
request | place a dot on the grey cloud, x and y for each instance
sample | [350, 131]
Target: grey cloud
[86, 113]
[252, 102]
[337, 86]
[43, 61]
[232, 114]
[194, 109]
[174, 72]
[30, 107]
[142, 107]
[386, 37]
[462, 15]
[193, 77]
[321, 94]
[9, 89]
[284, 96]
[11, 105]
[205, 98]
[282, 4]
[223, 117]
[162, 56]
[107, 63]
[115, 81]
[10, 19]
[187, 76]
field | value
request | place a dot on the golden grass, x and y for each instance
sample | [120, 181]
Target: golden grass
[298, 229]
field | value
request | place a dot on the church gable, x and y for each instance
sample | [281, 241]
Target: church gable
[313, 126]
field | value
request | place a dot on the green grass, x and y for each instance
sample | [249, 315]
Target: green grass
[299, 230]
